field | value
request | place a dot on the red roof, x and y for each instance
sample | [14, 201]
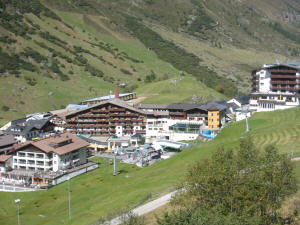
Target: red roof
[4, 158]
[59, 144]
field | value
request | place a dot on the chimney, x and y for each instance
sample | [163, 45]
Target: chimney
[117, 92]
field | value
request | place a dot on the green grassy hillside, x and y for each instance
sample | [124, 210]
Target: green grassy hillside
[49, 46]
[67, 57]
[230, 37]
[98, 193]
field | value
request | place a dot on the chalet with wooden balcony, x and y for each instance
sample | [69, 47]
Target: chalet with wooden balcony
[109, 118]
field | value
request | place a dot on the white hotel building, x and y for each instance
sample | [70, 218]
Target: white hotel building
[54, 153]
[275, 86]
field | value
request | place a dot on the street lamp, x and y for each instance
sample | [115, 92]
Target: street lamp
[69, 193]
[115, 154]
[245, 110]
[17, 201]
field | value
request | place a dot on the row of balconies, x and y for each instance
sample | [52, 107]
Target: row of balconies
[285, 82]
[282, 71]
[103, 110]
[285, 88]
[32, 157]
[274, 76]
[32, 164]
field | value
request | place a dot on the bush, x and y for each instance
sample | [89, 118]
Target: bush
[94, 71]
[250, 183]
[29, 52]
[30, 81]
[126, 72]
[151, 77]
[5, 108]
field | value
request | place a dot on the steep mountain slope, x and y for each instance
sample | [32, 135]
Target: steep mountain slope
[230, 37]
[57, 52]
[50, 58]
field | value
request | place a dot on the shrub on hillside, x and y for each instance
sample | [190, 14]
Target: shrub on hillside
[126, 72]
[236, 186]
[5, 108]
[30, 80]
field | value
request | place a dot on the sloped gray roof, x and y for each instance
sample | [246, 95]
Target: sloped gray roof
[7, 139]
[150, 106]
[243, 99]
[116, 102]
[183, 106]
[294, 65]
[213, 106]
[205, 106]
[28, 126]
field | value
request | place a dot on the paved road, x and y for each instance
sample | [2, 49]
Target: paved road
[144, 209]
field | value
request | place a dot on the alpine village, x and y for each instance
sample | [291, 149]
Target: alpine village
[145, 112]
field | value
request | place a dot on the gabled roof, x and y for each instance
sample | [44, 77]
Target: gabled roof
[205, 106]
[213, 106]
[28, 126]
[182, 106]
[116, 102]
[18, 121]
[243, 99]
[150, 106]
[4, 158]
[59, 144]
[7, 139]
[294, 65]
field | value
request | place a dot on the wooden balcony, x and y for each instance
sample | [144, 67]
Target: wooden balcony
[99, 110]
[284, 82]
[285, 88]
[277, 76]
[282, 71]
[117, 110]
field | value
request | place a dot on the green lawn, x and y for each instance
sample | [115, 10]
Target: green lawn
[98, 193]
[185, 88]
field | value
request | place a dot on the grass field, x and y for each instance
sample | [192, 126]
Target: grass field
[98, 193]
[185, 88]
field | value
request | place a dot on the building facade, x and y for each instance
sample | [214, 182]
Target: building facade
[275, 86]
[54, 153]
[110, 118]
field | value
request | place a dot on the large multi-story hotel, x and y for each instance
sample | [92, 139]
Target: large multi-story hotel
[275, 86]
[109, 118]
